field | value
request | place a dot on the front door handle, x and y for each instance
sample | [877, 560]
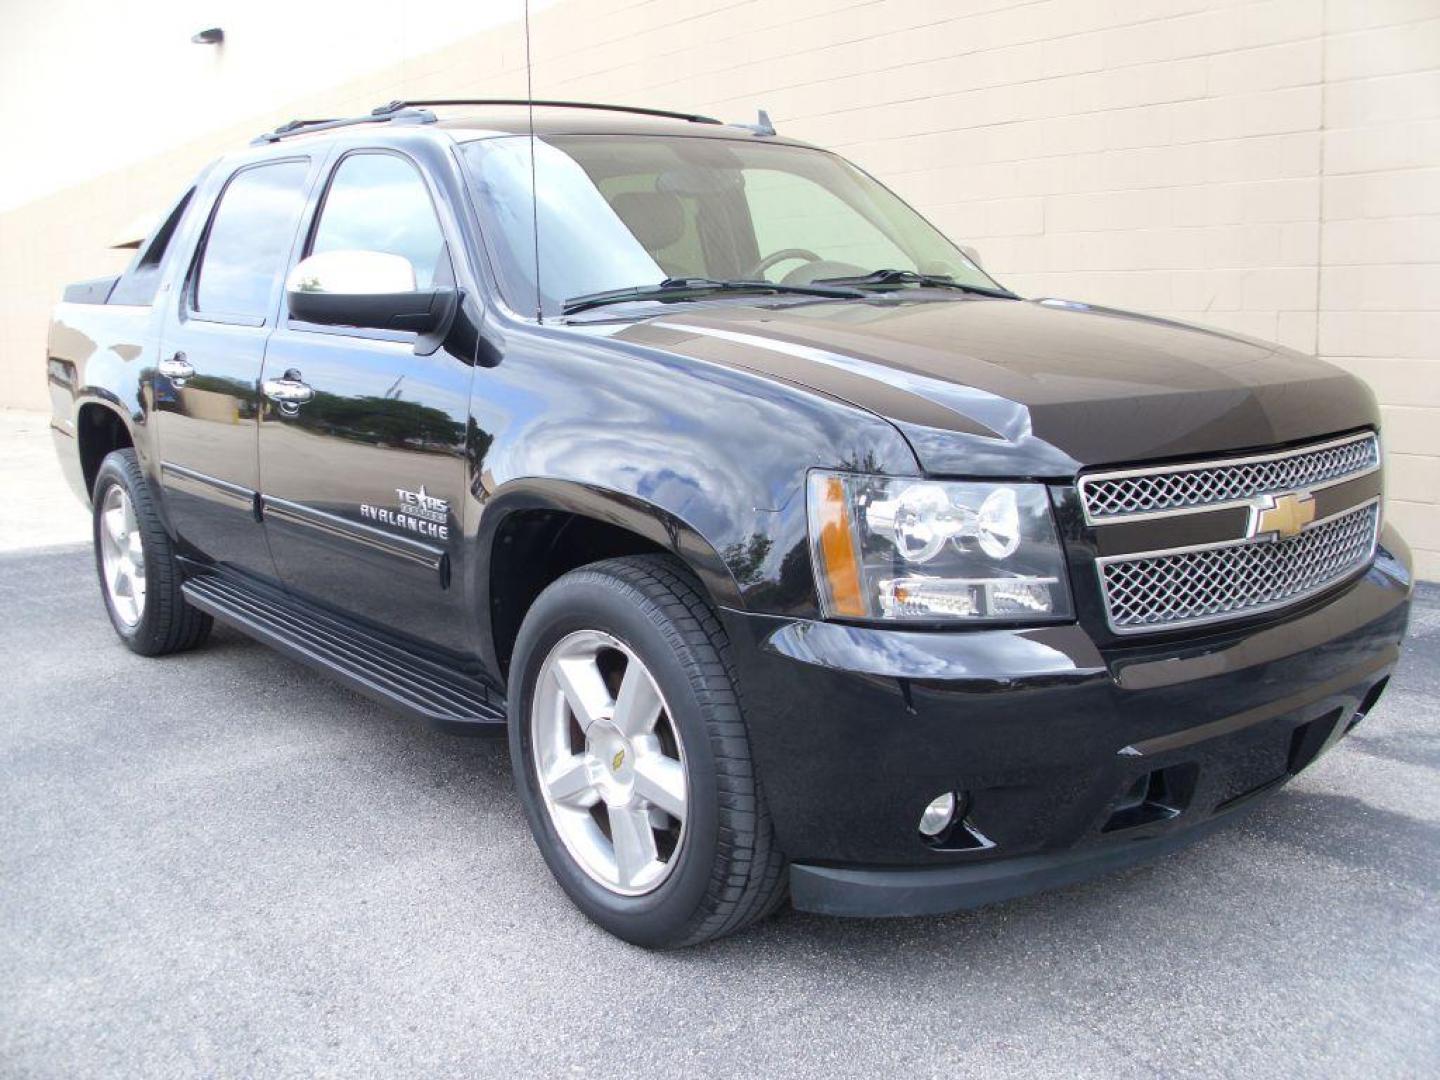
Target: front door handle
[177, 369]
[288, 391]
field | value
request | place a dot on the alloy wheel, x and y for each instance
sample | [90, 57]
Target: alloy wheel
[122, 556]
[610, 762]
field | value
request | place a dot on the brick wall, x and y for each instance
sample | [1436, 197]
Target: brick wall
[1271, 167]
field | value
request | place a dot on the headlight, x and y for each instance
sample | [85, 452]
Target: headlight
[927, 551]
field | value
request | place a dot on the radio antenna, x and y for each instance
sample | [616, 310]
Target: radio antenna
[534, 192]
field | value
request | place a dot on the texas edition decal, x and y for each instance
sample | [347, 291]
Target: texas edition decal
[418, 513]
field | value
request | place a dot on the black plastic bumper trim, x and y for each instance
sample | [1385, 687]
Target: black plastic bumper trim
[884, 893]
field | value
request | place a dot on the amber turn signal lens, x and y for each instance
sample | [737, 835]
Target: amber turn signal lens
[841, 562]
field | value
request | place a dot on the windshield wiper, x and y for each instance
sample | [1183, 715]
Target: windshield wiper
[695, 288]
[911, 277]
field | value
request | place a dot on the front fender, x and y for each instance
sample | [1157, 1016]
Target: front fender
[714, 454]
[629, 512]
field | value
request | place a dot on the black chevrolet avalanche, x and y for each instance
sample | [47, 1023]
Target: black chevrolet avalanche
[796, 555]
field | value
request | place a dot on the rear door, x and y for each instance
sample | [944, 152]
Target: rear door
[212, 346]
[364, 481]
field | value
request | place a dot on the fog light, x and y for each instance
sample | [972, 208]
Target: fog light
[938, 815]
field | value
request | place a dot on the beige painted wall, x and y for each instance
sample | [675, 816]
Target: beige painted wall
[1269, 166]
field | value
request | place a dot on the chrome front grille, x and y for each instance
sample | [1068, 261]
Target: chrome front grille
[1186, 587]
[1165, 489]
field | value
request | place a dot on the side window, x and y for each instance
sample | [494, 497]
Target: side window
[378, 202]
[250, 238]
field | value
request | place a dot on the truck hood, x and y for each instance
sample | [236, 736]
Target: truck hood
[1026, 388]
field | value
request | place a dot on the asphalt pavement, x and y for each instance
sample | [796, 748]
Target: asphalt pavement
[220, 864]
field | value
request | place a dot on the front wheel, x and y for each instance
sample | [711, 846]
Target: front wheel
[631, 757]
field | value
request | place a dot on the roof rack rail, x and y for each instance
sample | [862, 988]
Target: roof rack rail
[418, 112]
[304, 127]
[694, 118]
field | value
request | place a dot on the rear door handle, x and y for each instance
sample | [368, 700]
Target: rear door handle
[177, 369]
[288, 391]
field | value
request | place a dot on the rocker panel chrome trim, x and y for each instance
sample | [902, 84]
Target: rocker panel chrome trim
[399, 546]
[238, 492]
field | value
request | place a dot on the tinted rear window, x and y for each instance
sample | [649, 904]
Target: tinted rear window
[250, 238]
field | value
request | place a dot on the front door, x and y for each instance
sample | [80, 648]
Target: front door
[212, 347]
[363, 480]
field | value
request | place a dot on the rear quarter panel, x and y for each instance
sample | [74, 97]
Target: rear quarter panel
[99, 355]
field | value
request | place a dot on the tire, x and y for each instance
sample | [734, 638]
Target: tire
[725, 871]
[162, 622]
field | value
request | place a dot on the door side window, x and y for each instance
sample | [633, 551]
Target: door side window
[379, 202]
[249, 241]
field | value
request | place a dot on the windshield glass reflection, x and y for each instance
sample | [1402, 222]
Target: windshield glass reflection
[621, 211]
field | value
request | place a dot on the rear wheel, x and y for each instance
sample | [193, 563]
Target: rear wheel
[139, 575]
[632, 760]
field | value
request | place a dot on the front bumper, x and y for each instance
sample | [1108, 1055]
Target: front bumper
[1073, 758]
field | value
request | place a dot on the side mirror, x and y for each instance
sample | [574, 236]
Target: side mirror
[972, 254]
[371, 290]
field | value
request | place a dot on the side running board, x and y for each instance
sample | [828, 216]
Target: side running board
[379, 669]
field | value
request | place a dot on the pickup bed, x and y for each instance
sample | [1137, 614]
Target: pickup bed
[794, 554]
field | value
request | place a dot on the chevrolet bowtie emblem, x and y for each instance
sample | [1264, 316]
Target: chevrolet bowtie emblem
[1284, 515]
[617, 761]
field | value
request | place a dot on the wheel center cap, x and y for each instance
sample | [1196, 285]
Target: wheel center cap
[617, 758]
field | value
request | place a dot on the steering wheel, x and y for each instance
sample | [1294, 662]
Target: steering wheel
[775, 258]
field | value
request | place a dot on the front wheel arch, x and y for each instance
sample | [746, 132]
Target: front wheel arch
[534, 531]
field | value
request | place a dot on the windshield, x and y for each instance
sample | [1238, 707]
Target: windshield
[624, 211]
